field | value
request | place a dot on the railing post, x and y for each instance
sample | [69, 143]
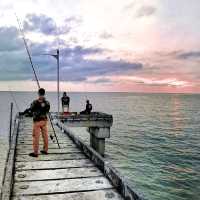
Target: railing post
[10, 127]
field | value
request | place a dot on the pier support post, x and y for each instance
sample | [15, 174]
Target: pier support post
[97, 138]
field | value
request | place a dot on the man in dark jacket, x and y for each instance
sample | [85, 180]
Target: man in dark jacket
[40, 108]
[88, 108]
[65, 100]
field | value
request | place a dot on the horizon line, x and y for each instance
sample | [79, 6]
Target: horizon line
[133, 92]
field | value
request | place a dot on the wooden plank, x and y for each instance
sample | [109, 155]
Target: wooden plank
[108, 194]
[69, 156]
[50, 142]
[53, 164]
[51, 146]
[30, 128]
[66, 150]
[25, 138]
[36, 175]
[29, 134]
[29, 131]
[29, 138]
[58, 186]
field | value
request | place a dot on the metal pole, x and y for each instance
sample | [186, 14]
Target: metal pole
[10, 128]
[58, 81]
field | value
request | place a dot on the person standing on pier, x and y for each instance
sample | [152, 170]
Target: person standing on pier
[65, 100]
[40, 108]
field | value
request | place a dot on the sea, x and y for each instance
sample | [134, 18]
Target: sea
[155, 138]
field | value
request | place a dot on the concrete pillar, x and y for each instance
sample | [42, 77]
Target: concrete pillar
[97, 138]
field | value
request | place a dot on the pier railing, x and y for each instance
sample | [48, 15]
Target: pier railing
[121, 184]
[7, 183]
[10, 124]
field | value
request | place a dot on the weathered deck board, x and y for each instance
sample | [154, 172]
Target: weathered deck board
[51, 146]
[51, 151]
[66, 156]
[61, 186]
[56, 164]
[51, 174]
[21, 142]
[108, 194]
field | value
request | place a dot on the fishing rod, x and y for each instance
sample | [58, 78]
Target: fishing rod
[34, 72]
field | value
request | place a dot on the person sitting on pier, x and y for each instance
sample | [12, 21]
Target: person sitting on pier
[65, 100]
[40, 108]
[88, 108]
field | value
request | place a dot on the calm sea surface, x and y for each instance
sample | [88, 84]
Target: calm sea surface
[155, 139]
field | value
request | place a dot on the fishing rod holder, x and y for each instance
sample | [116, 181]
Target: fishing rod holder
[98, 125]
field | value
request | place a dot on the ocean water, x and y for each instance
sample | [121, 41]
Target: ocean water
[155, 138]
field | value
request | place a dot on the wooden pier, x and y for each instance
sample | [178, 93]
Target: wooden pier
[74, 172]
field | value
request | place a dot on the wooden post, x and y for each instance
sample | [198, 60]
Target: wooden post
[10, 127]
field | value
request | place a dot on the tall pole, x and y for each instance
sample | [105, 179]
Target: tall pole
[58, 81]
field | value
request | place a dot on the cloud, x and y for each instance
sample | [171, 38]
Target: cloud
[9, 39]
[173, 82]
[189, 55]
[75, 67]
[44, 24]
[81, 51]
[13, 62]
[74, 62]
[73, 20]
[145, 11]
[129, 6]
[101, 80]
[106, 35]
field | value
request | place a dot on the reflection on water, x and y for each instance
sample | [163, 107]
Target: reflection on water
[154, 140]
[177, 116]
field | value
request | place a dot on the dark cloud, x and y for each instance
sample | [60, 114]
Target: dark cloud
[74, 64]
[44, 24]
[189, 55]
[145, 11]
[74, 67]
[81, 51]
[9, 39]
[12, 56]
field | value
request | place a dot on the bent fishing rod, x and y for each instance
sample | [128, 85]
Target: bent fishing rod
[34, 72]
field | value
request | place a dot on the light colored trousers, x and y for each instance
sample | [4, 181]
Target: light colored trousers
[40, 126]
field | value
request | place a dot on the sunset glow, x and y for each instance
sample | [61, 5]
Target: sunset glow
[108, 45]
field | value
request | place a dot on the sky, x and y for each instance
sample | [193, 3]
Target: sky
[105, 45]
